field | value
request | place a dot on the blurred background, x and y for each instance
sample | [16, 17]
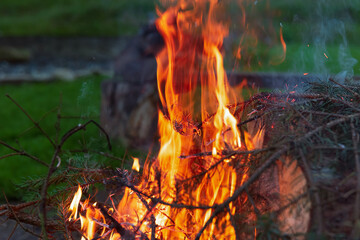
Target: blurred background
[54, 56]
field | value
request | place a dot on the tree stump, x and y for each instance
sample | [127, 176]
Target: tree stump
[129, 112]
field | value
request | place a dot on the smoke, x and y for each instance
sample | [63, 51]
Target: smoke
[85, 99]
[326, 37]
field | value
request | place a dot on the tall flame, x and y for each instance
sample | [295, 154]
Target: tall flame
[191, 73]
[193, 89]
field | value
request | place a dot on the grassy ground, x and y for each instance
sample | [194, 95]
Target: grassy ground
[325, 25]
[73, 17]
[302, 58]
[80, 98]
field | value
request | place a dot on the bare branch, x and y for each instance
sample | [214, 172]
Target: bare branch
[348, 89]
[22, 153]
[32, 120]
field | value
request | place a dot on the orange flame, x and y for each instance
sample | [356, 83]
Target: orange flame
[193, 88]
[192, 55]
[136, 164]
[283, 44]
[89, 222]
[75, 204]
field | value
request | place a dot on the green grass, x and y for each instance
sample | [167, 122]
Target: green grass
[73, 17]
[301, 58]
[80, 98]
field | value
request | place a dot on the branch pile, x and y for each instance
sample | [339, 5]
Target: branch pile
[317, 129]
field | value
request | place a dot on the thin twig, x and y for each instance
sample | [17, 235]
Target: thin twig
[115, 224]
[233, 222]
[58, 120]
[314, 192]
[83, 127]
[329, 125]
[18, 206]
[23, 153]
[239, 190]
[320, 113]
[10, 155]
[227, 153]
[268, 163]
[232, 153]
[250, 120]
[153, 227]
[63, 211]
[302, 116]
[17, 219]
[345, 103]
[346, 88]
[256, 210]
[32, 120]
[292, 202]
[13, 231]
[39, 120]
[173, 205]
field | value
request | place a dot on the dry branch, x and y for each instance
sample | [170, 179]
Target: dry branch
[303, 111]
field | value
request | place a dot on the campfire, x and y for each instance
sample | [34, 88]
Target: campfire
[277, 165]
[195, 186]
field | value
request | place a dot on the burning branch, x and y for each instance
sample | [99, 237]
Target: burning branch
[15, 211]
[287, 145]
[215, 148]
[243, 187]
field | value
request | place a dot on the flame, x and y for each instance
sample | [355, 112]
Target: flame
[249, 54]
[283, 44]
[282, 58]
[136, 164]
[75, 204]
[190, 68]
[89, 221]
[115, 236]
[193, 88]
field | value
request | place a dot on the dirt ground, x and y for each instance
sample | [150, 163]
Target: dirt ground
[7, 227]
